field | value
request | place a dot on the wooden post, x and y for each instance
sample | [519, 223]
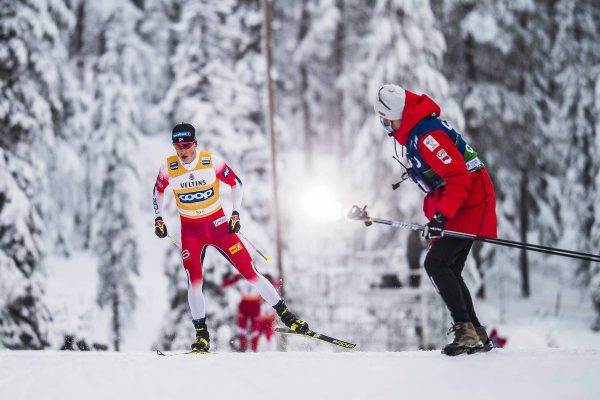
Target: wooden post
[271, 132]
[524, 217]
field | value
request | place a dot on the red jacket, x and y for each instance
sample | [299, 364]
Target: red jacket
[467, 199]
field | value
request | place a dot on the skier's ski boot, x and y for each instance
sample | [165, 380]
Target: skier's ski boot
[202, 342]
[465, 340]
[289, 318]
[483, 336]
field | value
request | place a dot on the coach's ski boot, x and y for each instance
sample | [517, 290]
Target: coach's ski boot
[465, 340]
[289, 318]
[202, 342]
[485, 340]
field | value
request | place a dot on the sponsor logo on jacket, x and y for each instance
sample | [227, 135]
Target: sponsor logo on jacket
[444, 157]
[196, 197]
[187, 185]
[220, 221]
[235, 248]
[431, 143]
[174, 165]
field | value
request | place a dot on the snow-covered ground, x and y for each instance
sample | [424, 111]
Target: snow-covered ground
[501, 374]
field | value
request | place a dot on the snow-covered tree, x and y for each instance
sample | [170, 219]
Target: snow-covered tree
[32, 77]
[119, 97]
[575, 60]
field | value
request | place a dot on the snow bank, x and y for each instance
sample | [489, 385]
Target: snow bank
[501, 374]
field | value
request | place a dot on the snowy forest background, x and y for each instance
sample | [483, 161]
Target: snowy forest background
[90, 90]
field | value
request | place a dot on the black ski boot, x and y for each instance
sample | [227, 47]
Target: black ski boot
[465, 340]
[483, 336]
[202, 342]
[289, 318]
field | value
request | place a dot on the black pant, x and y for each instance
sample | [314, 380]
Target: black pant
[444, 264]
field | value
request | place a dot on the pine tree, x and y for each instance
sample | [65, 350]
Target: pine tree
[119, 95]
[32, 54]
[575, 58]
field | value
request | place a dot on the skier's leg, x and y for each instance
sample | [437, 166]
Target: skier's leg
[196, 299]
[254, 336]
[269, 327]
[437, 264]
[192, 253]
[439, 259]
[457, 267]
[242, 326]
[254, 308]
[232, 248]
[266, 327]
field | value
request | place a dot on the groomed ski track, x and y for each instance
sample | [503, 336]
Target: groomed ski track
[500, 374]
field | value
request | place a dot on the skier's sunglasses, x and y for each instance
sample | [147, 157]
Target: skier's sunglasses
[381, 101]
[184, 146]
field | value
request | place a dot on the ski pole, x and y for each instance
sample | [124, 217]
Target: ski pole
[267, 258]
[174, 241]
[358, 214]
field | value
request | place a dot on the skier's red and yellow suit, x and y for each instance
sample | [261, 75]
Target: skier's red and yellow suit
[203, 222]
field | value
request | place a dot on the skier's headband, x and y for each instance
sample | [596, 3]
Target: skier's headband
[183, 137]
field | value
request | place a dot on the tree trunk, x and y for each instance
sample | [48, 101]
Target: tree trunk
[116, 324]
[271, 131]
[524, 211]
[340, 36]
[304, 103]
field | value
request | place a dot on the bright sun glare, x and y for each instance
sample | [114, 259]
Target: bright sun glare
[319, 202]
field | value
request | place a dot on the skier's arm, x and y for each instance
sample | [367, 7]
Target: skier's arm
[446, 161]
[158, 193]
[226, 175]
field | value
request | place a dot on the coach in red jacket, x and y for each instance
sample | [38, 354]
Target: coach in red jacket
[460, 197]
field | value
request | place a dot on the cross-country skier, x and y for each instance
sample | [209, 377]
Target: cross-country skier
[250, 310]
[460, 197]
[195, 176]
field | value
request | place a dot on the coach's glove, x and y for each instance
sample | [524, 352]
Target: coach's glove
[360, 214]
[234, 222]
[435, 227]
[160, 229]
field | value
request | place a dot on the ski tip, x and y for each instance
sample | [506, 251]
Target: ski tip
[160, 353]
[346, 345]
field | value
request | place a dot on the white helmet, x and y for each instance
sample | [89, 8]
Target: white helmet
[389, 102]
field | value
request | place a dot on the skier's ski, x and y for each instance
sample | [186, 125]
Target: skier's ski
[318, 336]
[160, 353]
